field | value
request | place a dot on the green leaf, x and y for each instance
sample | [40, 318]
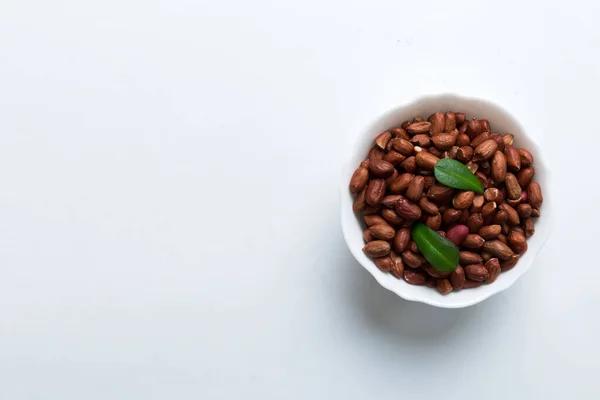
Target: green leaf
[441, 253]
[456, 175]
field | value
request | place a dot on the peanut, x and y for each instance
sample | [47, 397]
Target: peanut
[395, 187]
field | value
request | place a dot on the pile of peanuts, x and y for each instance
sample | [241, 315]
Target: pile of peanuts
[395, 187]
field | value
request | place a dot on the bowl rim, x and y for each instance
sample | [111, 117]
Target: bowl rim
[499, 286]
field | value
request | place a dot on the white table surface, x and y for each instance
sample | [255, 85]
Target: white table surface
[169, 200]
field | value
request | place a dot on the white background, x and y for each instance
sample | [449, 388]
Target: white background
[169, 206]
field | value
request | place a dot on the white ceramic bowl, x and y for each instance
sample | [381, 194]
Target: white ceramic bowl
[502, 122]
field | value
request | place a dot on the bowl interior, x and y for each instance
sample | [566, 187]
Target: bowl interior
[500, 121]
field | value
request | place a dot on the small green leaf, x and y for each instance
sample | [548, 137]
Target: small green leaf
[441, 253]
[456, 175]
